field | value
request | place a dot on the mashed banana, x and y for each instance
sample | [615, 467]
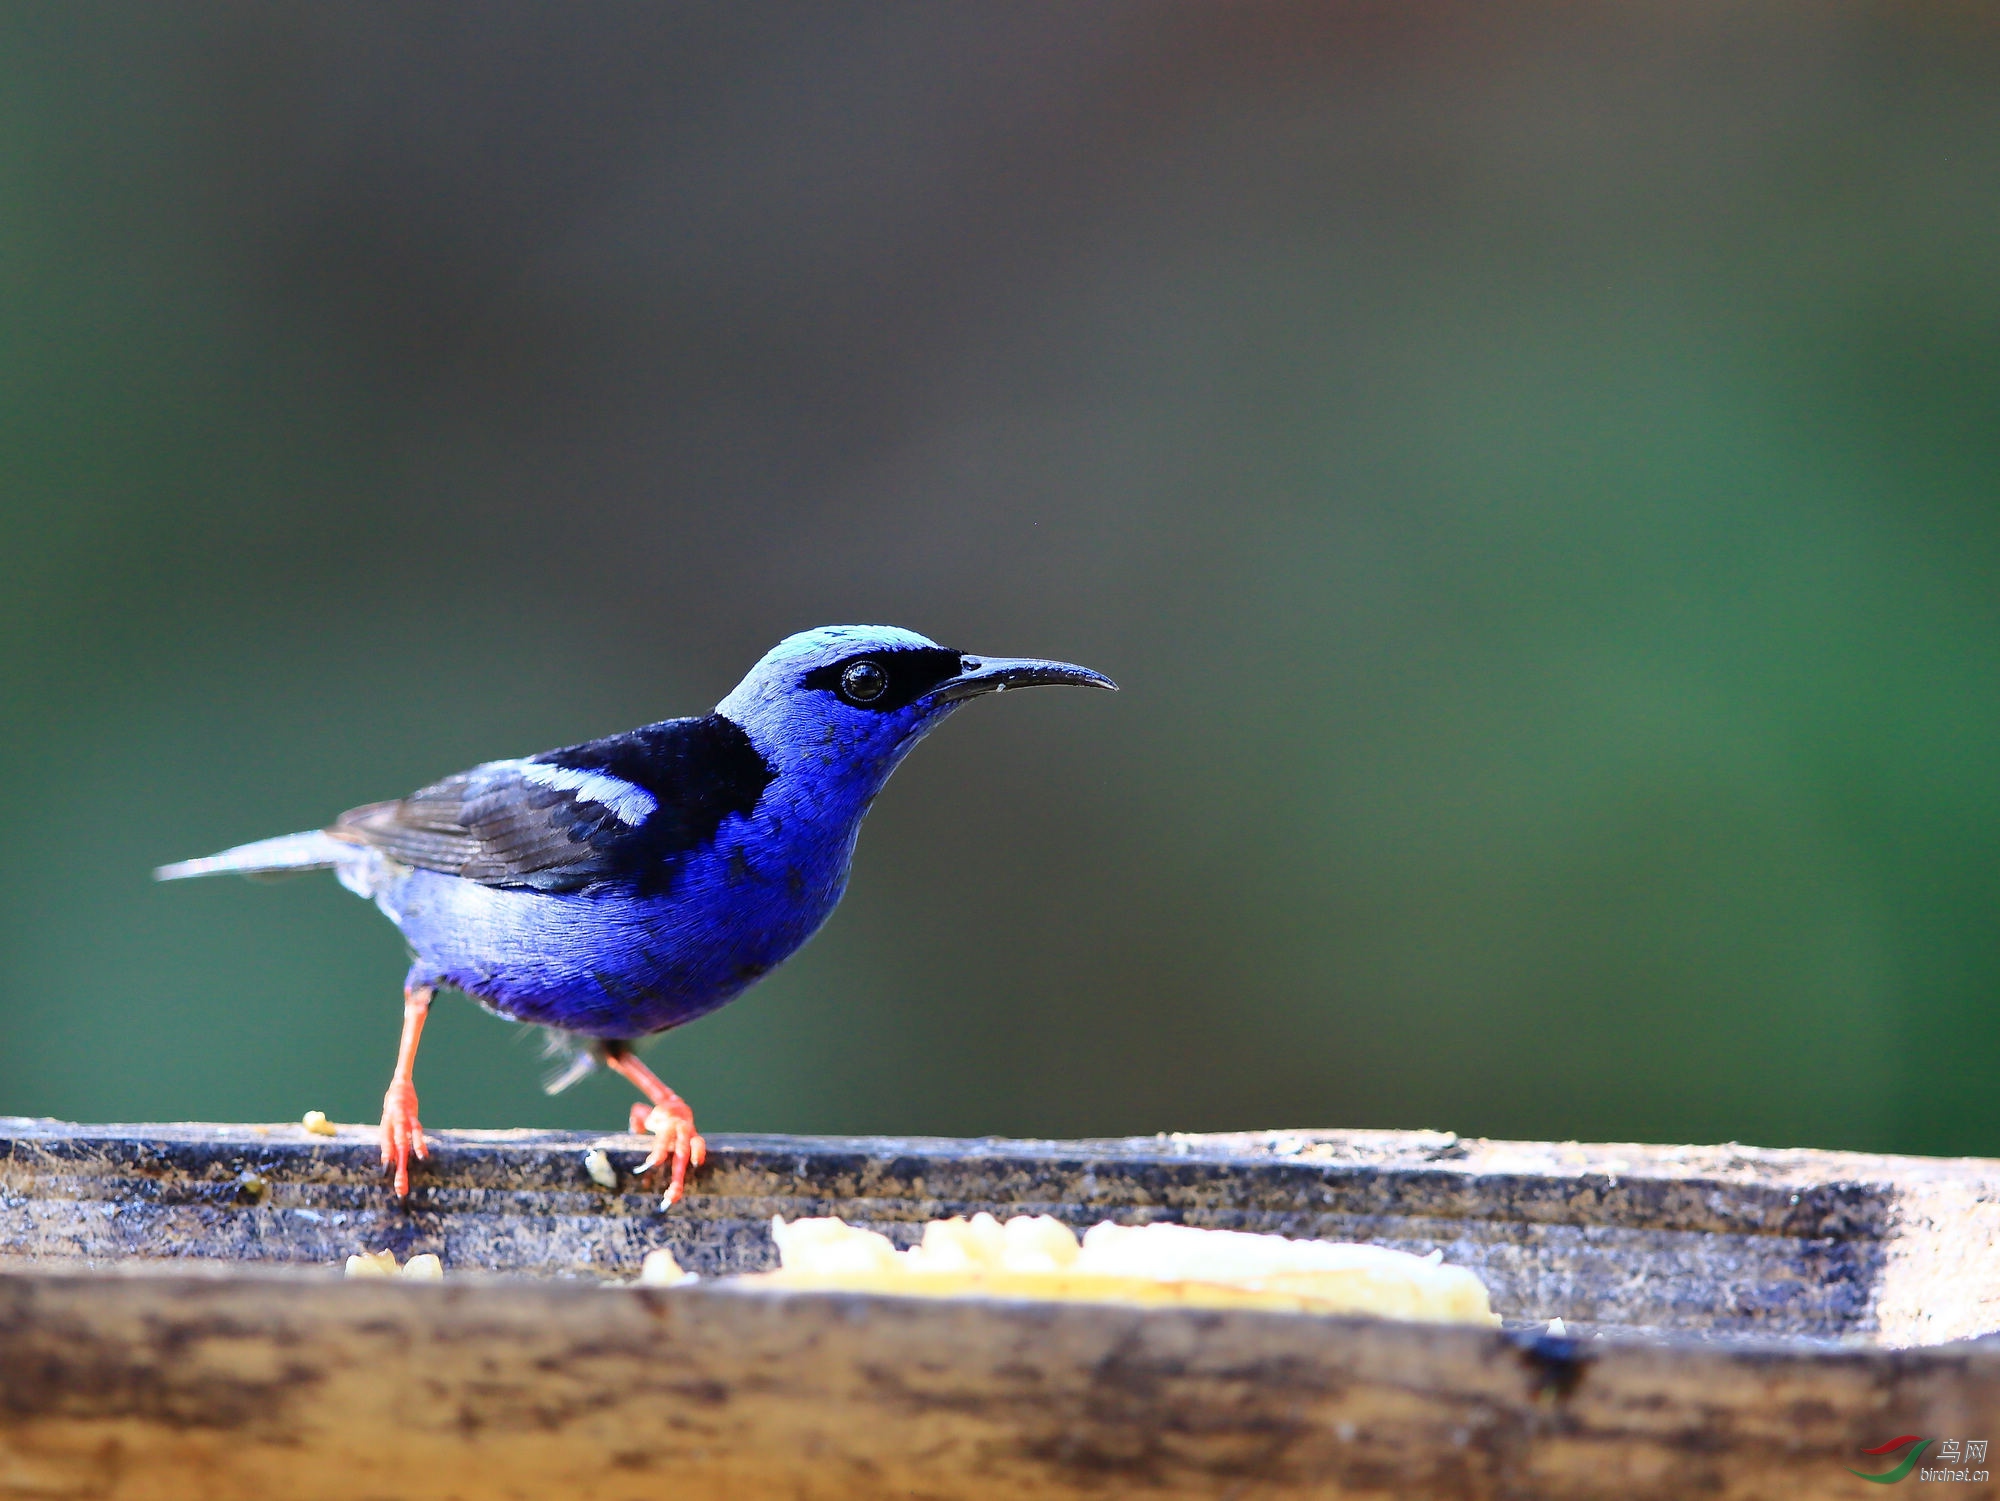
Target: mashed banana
[1039, 1257]
[422, 1268]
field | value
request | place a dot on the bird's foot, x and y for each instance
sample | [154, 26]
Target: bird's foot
[402, 1133]
[674, 1138]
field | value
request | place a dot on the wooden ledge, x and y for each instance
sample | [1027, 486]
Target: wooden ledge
[171, 1323]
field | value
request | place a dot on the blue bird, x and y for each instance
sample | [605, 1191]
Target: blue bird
[611, 890]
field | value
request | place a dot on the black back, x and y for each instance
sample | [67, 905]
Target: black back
[494, 825]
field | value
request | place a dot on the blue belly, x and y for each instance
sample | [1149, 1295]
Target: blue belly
[608, 963]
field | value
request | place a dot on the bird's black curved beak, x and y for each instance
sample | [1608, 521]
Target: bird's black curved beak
[977, 675]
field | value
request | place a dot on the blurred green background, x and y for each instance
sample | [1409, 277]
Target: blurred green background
[1533, 469]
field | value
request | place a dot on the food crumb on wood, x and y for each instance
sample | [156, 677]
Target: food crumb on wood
[661, 1270]
[372, 1264]
[425, 1267]
[316, 1122]
[597, 1163]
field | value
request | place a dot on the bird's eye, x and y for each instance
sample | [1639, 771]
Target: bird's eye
[864, 682]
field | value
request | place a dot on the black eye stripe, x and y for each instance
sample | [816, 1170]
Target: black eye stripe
[912, 672]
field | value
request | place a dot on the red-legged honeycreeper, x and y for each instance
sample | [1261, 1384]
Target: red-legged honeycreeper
[611, 890]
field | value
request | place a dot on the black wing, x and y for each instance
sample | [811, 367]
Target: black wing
[495, 825]
[625, 808]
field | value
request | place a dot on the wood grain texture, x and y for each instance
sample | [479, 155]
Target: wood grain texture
[1710, 1240]
[266, 1386]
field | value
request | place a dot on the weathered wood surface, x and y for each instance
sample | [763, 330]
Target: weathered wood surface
[154, 1342]
[265, 1386]
[1699, 1240]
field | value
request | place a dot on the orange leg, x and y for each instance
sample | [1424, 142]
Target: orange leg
[666, 1115]
[402, 1134]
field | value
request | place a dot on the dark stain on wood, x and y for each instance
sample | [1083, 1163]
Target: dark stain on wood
[1555, 1363]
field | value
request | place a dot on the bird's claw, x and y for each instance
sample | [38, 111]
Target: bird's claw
[402, 1133]
[675, 1138]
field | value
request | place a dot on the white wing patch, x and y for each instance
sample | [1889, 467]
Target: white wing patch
[628, 804]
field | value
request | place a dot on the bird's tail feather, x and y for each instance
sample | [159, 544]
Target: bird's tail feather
[288, 852]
